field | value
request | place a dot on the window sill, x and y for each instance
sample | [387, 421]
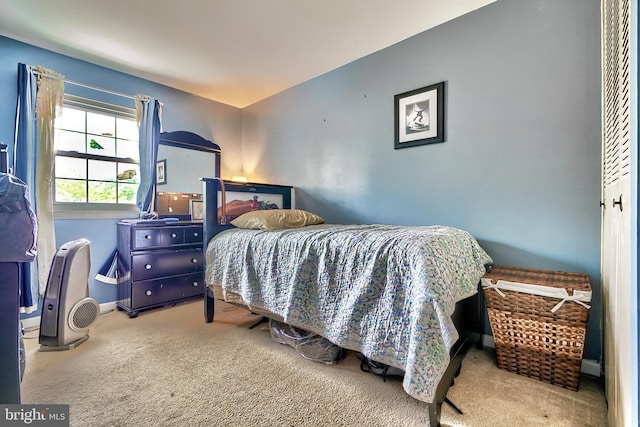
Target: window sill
[94, 214]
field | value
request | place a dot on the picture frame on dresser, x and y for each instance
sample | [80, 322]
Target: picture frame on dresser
[196, 210]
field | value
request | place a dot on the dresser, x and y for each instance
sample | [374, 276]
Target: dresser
[159, 263]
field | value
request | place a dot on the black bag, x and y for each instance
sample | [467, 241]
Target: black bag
[18, 225]
[379, 369]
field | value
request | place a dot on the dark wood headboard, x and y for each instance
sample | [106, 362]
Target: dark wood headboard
[211, 197]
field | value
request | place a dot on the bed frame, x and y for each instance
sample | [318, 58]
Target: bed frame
[467, 316]
[211, 188]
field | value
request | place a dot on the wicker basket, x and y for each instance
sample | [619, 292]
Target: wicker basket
[537, 335]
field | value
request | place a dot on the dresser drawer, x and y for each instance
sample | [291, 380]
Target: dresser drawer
[151, 237]
[193, 234]
[159, 291]
[148, 265]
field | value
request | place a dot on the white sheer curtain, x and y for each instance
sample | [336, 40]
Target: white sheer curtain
[48, 107]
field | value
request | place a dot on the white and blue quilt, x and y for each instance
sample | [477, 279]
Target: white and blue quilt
[385, 291]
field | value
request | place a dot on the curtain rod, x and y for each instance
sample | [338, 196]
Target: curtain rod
[99, 89]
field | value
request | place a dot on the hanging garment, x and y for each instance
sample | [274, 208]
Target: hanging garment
[108, 273]
[18, 225]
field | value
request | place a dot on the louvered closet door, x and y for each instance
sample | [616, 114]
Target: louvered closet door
[619, 317]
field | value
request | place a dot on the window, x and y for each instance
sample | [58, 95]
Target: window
[96, 156]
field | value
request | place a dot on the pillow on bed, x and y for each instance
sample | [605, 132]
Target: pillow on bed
[276, 219]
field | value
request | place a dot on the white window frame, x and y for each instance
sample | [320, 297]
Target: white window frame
[86, 210]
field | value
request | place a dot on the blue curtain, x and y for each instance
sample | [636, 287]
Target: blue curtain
[24, 168]
[149, 122]
[149, 112]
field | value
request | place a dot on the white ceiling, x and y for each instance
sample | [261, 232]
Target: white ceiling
[233, 51]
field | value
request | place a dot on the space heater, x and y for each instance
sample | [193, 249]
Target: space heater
[68, 312]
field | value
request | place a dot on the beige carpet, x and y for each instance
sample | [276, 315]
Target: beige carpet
[167, 367]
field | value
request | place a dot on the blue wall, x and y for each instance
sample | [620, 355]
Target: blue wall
[520, 168]
[182, 111]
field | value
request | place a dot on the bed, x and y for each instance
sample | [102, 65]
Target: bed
[404, 296]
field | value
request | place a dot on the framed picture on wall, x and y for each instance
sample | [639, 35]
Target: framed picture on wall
[161, 171]
[419, 116]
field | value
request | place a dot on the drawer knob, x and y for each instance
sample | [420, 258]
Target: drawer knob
[148, 266]
[148, 293]
[195, 234]
[148, 237]
[174, 235]
[194, 260]
[195, 284]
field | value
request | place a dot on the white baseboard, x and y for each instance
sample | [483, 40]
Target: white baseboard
[107, 307]
[32, 323]
[590, 367]
[487, 341]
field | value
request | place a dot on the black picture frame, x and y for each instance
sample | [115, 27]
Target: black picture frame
[161, 171]
[419, 116]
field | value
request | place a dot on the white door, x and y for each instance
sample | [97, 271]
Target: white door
[619, 296]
